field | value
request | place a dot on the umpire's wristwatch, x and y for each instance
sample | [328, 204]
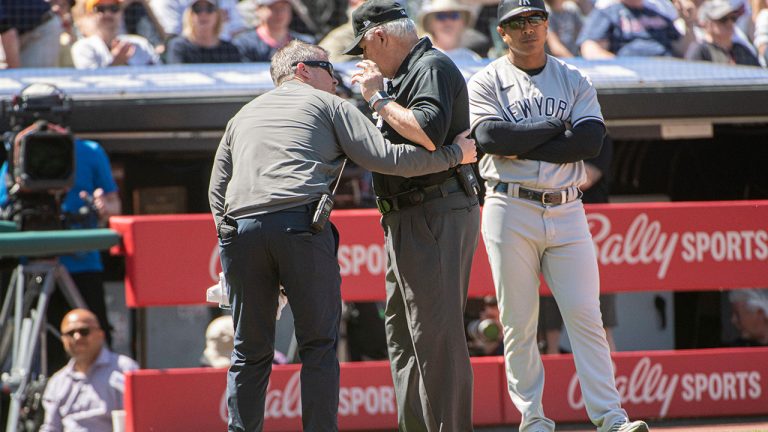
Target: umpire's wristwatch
[377, 98]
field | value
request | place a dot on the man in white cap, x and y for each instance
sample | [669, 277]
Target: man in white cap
[717, 19]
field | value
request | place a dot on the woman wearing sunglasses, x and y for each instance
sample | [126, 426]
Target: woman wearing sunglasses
[448, 24]
[200, 40]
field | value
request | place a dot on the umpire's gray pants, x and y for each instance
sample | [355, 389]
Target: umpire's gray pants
[523, 239]
[430, 249]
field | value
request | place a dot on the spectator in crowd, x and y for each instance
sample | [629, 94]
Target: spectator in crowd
[272, 32]
[219, 342]
[750, 314]
[199, 41]
[447, 23]
[29, 32]
[107, 47]
[632, 28]
[83, 394]
[565, 22]
[169, 13]
[718, 20]
[339, 38]
[761, 30]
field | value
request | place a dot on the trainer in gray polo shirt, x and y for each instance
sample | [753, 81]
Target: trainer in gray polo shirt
[279, 155]
[82, 395]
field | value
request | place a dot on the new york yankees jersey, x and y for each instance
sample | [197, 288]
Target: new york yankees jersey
[501, 91]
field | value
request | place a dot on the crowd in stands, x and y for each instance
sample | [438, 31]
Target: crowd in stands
[88, 34]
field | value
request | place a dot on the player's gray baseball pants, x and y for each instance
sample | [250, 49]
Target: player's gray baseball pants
[430, 249]
[523, 239]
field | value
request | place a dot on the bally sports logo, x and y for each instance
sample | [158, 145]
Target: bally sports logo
[647, 384]
[285, 403]
[646, 242]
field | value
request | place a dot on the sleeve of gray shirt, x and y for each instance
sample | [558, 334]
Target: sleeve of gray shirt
[364, 144]
[220, 176]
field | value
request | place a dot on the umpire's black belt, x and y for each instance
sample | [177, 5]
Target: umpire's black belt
[547, 198]
[417, 196]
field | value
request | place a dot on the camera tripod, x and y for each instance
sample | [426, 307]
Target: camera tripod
[27, 298]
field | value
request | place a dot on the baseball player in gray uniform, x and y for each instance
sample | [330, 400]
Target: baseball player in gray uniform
[537, 119]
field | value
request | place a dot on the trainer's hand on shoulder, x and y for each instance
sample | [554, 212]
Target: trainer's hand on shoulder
[468, 147]
[369, 77]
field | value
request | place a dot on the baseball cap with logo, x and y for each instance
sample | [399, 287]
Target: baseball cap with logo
[510, 8]
[371, 14]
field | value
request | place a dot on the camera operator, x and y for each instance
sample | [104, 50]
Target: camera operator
[92, 199]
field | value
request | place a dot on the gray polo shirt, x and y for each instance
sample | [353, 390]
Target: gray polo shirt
[76, 401]
[285, 149]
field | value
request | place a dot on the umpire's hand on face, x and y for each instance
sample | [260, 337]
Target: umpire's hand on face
[468, 147]
[369, 77]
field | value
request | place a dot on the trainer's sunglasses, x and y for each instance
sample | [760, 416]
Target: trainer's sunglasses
[318, 63]
[83, 332]
[517, 23]
[447, 16]
[114, 8]
[201, 7]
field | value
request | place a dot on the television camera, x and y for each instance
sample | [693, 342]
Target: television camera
[40, 152]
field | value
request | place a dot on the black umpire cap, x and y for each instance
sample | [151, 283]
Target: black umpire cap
[510, 8]
[369, 15]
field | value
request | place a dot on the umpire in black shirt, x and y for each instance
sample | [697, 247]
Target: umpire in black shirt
[431, 222]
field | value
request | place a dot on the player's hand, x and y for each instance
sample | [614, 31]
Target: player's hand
[468, 148]
[593, 175]
[369, 77]
[511, 157]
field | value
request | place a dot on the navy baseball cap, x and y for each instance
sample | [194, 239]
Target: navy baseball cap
[371, 14]
[510, 8]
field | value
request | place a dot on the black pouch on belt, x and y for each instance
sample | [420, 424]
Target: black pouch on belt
[468, 180]
[227, 228]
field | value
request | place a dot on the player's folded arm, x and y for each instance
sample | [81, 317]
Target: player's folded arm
[504, 138]
[582, 142]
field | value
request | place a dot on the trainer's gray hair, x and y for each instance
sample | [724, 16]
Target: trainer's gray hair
[399, 28]
[296, 51]
[754, 298]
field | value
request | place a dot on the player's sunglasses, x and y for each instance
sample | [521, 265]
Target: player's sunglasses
[114, 8]
[318, 63]
[517, 23]
[203, 7]
[83, 332]
[728, 18]
[448, 16]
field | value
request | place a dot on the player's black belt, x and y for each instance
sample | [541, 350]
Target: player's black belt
[548, 198]
[417, 196]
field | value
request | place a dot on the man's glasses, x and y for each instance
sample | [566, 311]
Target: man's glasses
[114, 8]
[83, 332]
[448, 16]
[517, 23]
[201, 7]
[318, 63]
[728, 18]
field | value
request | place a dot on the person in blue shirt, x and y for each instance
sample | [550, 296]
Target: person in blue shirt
[93, 183]
[631, 28]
